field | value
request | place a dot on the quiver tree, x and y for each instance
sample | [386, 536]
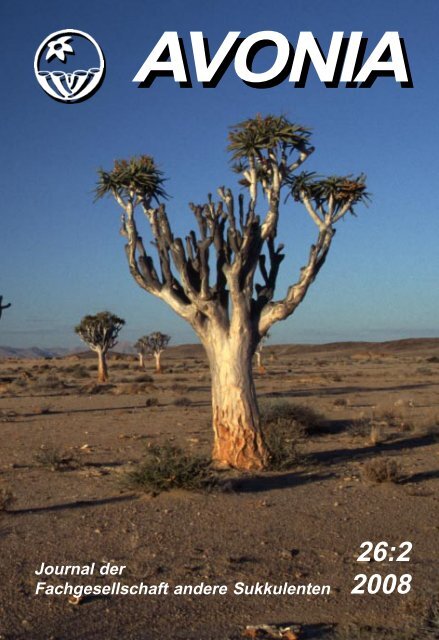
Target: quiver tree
[258, 353]
[3, 306]
[100, 333]
[141, 350]
[222, 277]
[153, 344]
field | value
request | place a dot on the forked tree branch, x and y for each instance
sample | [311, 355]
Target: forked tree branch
[208, 277]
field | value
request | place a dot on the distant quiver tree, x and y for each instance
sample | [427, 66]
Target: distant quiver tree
[153, 344]
[221, 279]
[258, 353]
[100, 333]
[3, 306]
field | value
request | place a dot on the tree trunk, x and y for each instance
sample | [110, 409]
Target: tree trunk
[238, 440]
[102, 366]
[142, 360]
[261, 368]
[158, 366]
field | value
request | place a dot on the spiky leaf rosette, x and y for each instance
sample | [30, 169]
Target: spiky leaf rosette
[139, 177]
[337, 190]
[261, 139]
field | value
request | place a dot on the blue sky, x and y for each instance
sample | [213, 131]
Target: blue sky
[61, 255]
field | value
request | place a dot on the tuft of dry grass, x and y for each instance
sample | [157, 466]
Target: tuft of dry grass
[366, 632]
[6, 498]
[184, 401]
[143, 377]
[381, 470]
[54, 459]
[42, 410]
[376, 434]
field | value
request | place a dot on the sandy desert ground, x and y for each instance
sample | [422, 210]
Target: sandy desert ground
[67, 445]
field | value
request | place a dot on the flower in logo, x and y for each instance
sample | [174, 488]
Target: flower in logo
[59, 48]
[70, 84]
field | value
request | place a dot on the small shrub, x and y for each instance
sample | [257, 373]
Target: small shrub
[143, 377]
[382, 470]
[433, 359]
[184, 401]
[136, 388]
[431, 622]
[340, 402]
[178, 387]
[283, 447]
[7, 415]
[94, 389]
[425, 371]
[52, 378]
[303, 420]
[366, 632]
[77, 372]
[283, 426]
[43, 410]
[152, 402]
[376, 435]
[54, 459]
[6, 498]
[168, 467]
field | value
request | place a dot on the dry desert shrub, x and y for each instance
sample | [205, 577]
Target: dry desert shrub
[121, 366]
[425, 371]
[77, 372]
[49, 383]
[6, 498]
[134, 388]
[376, 434]
[283, 426]
[42, 410]
[424, 613]
[282, 445]
[92, 388]
[184, 401]
[143, 377]
[177, 386]
[300, 418]
[381, 470]
[366, 632]
[167, 467]
[152, 402]
[8, 415]
[54, 459]
[392, 417]
[360, 427]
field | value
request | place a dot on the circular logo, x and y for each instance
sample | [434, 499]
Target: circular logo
[57, 63]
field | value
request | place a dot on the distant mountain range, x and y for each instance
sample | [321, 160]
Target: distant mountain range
[55, 352]
[427, 345]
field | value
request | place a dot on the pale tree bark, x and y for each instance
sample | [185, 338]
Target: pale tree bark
[238, 440]
[261, 368]
[158, 366]
[141, 360]
[102, 365]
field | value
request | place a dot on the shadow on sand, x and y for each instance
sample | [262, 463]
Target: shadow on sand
[77, 504]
